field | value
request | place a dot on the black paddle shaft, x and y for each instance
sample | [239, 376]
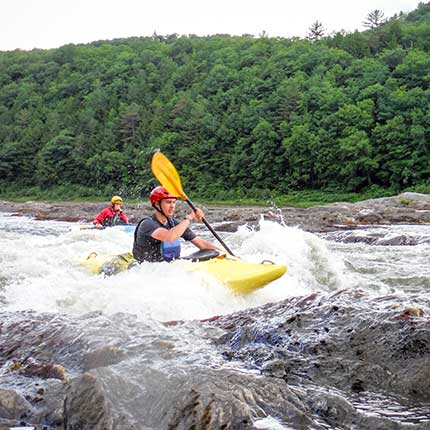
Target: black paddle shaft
[211, 229]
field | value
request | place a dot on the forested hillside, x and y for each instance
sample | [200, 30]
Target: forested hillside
[236, 115]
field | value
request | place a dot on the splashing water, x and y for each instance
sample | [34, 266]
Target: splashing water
[41, 270]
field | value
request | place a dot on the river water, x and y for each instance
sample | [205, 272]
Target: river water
[41, 270]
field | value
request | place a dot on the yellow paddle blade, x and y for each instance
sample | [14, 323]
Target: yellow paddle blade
[167, 175]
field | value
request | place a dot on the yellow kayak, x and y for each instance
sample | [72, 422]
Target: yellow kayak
[242, 277]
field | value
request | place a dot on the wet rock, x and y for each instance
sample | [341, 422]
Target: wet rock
[369, 217]
[397, 241]
[8, 424]
[319, 361]
[368, 350]
[12, 405]
[104, 356]
[224, 400]
[85, 405]
[334, 408]
[358, 239]
[406, 200]
[228, 227]
[42, 370]
[411, 312]
[232, 216]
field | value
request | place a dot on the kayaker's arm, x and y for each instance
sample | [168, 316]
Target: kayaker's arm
[198, 241]
[169, 235]
[123, 216]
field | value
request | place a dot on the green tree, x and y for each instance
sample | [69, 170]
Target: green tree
[108, 168]
[301, 152]
[129, 125]
[267, 151]
[316, 31]
[17, 163]
[57, 163]
[415, 70]
[356, 162]
[393, 153]
[374, 19]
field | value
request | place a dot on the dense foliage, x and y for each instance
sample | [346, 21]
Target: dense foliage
[236, 115]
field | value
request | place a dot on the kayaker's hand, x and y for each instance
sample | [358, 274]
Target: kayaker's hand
[99, 227]
[199, 214]
[195, 216]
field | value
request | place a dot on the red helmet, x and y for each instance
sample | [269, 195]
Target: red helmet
[160, 193]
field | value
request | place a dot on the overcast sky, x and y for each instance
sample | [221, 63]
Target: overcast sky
[28, 24]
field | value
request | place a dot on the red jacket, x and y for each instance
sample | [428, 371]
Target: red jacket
[108, 217]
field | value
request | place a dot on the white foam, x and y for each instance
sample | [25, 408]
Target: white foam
[44, 272]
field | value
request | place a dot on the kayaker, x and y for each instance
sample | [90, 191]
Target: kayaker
[112, 215]
[156, 237]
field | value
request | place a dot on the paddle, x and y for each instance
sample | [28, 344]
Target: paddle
[168, 176]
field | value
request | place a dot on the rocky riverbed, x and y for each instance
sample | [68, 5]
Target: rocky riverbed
[320, 362]
[405, 208]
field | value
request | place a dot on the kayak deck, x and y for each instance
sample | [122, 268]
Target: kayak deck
[109, 264]
[242, 277]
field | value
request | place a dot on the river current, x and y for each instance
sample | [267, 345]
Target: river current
[41, 271]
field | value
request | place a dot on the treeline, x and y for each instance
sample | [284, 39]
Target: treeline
[236, 115]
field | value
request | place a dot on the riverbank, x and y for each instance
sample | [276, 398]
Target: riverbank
[406, 208]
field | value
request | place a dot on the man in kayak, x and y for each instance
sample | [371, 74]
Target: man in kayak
[112, 215]
[156, 238]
